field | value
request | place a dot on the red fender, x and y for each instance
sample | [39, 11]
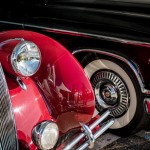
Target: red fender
[29, 110]
[60, 79]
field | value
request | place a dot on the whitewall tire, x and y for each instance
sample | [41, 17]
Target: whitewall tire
[116, 88]
[96, 65]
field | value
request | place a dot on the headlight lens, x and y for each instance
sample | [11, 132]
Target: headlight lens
[26, 58]
[45, 135]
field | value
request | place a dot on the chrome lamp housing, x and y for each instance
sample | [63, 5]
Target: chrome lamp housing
[26, 58]
[45, 135]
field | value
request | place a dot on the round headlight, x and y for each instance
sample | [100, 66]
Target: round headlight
[45, 135]
[26, 58]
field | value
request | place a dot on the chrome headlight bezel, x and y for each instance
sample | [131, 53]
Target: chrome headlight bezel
[26, 48]
[38, 133]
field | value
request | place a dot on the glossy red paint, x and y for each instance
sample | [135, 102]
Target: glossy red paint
[29, 110]
[66, 88]
[62, 81]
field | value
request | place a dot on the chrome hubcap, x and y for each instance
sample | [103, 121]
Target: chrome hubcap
[110, 92]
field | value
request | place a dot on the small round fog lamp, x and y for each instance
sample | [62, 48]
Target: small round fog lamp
[45, 135]
[26, 58]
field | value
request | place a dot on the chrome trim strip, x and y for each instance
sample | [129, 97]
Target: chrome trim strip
[104, 37]
[10, 40]
[135, 71]
[109, 38]
[21, 83]
[12, 23]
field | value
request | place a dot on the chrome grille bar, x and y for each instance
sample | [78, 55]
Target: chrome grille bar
[8, 136]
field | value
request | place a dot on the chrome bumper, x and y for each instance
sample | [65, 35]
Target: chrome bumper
[87, 132]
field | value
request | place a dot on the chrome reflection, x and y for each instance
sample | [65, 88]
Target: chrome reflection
[10, 40]
[21, 83]
[45, 135]
[89, 134]
[26, 58]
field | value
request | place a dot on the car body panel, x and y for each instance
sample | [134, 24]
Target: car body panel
[29, 110]
[61, 80]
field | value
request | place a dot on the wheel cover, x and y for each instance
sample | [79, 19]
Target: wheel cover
[102, 64]
[110, 92]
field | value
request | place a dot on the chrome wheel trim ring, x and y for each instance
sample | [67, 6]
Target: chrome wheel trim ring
[99, 64]
[114, 95]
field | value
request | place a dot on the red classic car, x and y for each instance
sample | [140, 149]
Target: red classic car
[45, 96]
[111, 41]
